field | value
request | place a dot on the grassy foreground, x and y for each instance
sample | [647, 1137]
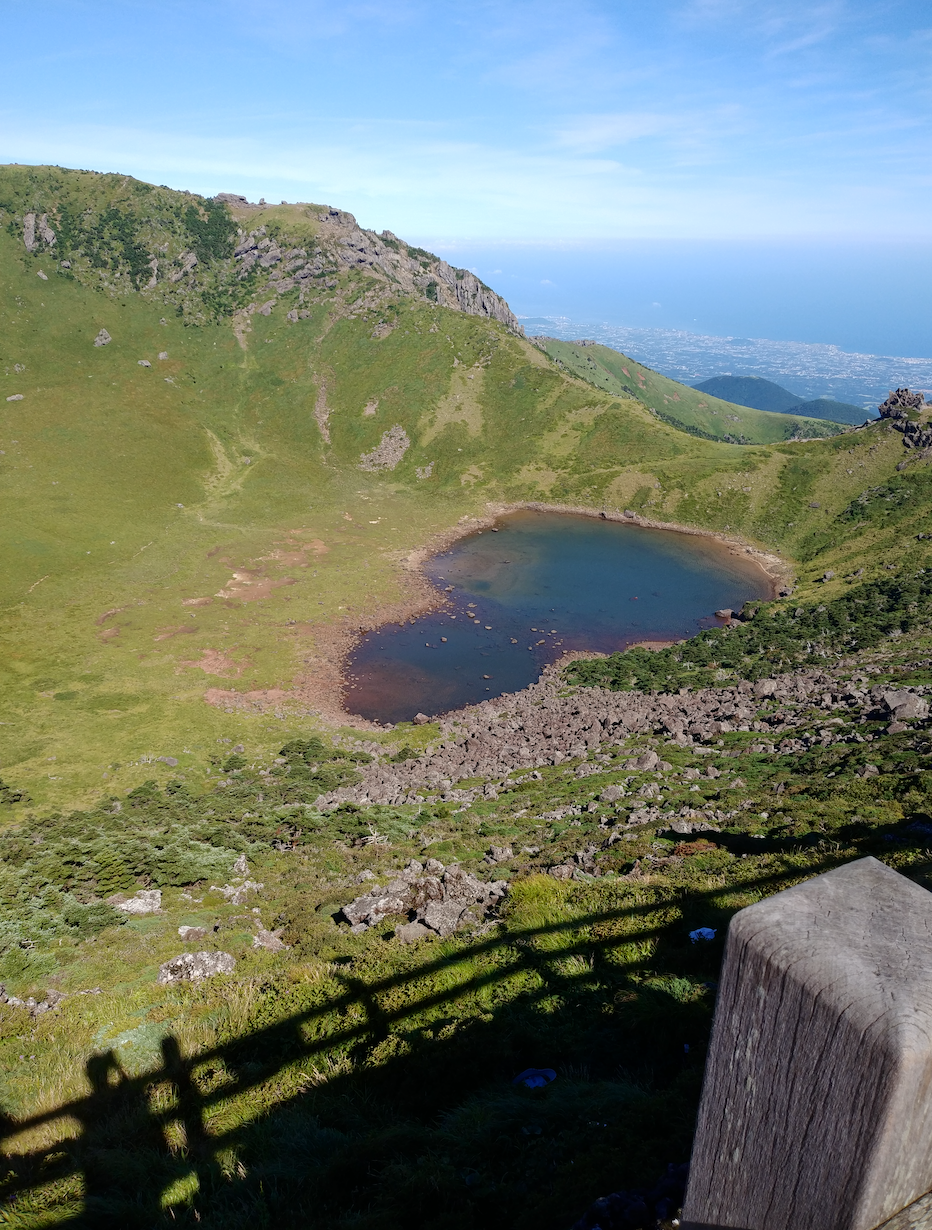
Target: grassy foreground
[182, 535]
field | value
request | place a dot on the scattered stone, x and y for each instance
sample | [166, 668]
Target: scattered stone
[146, 901]
[241, 867]
[828, 575]
[686, 828]
[388, 452]
[15, 397]
[144, 363]
[163, 354]
[271, 941]
[171, 761]
[499, 854]
[645, 762]
[442, 898]
[611, 794]
[192, 966]
[35, 1007]
[191, 934]
[103, 338]
[237, 894]
[905, 706]
[411, 932]
[43, 276]
[563, 871]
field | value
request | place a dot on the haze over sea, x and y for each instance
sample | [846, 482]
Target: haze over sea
[843, 320]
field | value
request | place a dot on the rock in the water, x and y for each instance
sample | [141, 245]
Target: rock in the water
[190, 966]
[421, 719]
[103, 338]
[146, 901]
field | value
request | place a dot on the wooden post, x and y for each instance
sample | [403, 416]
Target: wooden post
[816, 1110]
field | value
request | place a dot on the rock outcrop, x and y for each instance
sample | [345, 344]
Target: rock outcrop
[544, 726]
[902, 410]
[192, 966]
[435, 898]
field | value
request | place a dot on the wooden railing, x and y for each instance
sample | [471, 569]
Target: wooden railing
[816, 1111]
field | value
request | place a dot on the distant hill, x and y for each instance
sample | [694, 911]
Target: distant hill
[834, 411]
[752, 391]
[763, 394]
[688, 409]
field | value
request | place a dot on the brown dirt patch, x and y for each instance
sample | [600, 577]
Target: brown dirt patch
[215, 662]
[114, 610]
[166, 634]
[250, 586]
[262, 698]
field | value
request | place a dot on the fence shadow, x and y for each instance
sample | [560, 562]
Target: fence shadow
[156, 1149]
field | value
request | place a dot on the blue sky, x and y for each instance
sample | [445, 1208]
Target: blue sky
[549, 120]
[720, 166]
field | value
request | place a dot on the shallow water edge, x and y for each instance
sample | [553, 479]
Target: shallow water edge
[605, 567]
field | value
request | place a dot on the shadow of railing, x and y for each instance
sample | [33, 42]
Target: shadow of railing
[123, 1163]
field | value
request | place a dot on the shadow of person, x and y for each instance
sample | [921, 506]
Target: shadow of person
[120, 1188]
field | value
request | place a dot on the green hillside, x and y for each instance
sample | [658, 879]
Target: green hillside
[765, 395]
[752, 391]
[213, 474]
[229, 474]
[835, 411]
[678, 404]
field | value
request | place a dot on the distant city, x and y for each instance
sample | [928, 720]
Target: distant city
[808, 369]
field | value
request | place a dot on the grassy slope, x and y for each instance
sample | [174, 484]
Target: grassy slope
[100, 453]
[347, 1080]
[614, 372]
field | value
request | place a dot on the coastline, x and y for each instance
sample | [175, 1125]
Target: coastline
[320, 691]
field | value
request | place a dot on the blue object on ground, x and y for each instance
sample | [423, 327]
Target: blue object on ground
[702, 933]
[535, 1078]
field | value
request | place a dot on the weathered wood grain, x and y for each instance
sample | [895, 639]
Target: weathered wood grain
[816, 1111]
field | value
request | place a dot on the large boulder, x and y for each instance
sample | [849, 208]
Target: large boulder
[440, 898]
[192, 966]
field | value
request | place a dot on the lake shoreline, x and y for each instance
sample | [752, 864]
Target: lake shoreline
[322, 692]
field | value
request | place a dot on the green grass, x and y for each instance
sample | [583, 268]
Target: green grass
[695, 412]
[352, 1082]
[349, 1081]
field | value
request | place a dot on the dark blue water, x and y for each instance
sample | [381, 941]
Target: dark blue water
[536, 587]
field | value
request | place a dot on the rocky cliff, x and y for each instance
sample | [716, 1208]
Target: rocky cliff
[207, 258]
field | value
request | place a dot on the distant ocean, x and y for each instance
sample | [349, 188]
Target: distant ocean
[806, 368]
[848, 320]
